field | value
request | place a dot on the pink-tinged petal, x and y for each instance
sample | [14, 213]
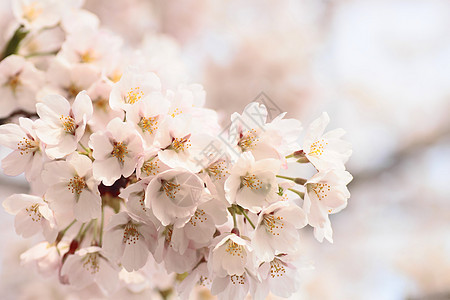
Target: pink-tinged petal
[50, 232]
[8, 103]
[16, 163]
[107, 277]
[135, 255]
[81, 163]
[101, 146]
[67, 145]
[52, 108]
[60, 197]
[88, 206]
[49, 133]
[316, 129]
[34, 169]
[118, 220]
[120, 130]
[219, 284]
[82, 106]
[107, 171]
[57, 172]
[14, 203]
[25, 225]
[78, 276]
[10, 135]
[113, 244]
[128, 166]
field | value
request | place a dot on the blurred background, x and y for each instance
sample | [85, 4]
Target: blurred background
[380, 68]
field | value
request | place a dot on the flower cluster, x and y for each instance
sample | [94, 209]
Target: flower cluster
[132, 177]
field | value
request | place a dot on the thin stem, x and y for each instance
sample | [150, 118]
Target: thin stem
[297, 180]
[286, 177]
[63, 232]
[41, 54]
[300, 194]
[233, 213]
[248, 219]
[95, 229]
[13, 45]
[88, 150]
[101, 227]
[290, 155]
[80, 231]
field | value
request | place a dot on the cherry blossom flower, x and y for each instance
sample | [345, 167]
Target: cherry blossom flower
[149, 165]
[32, 216]
[168, 250]
[231, 255]
[133, 86]
[325, 151]
[174, 196]
[45, 257]
[27, 155]
[252, 184]
[129, 241]
[69, 79]
[251, 132]
[148, 116]
[20, 82]
[277, 230]
[326, 193]
[199, 276]
[88, 46]
[61, 126]
[115, 151]
[72, 187]
[36, 14]
[277, 276]
[232, 286]
[89, 265]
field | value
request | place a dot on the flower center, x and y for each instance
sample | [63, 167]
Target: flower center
[177, 111]
[88, 56]
[149, 124]
[199, 216]
[31, 11]
[68, 124]
[171, 189]
[251, 182]
[27, 145]
[76, 184]
[276, 268]
[115, 75]
[34, 213]
[235, 249]
[237, 279]
[321, 190]
[119, 151]
[273, 223]
[14, 82]
[91, 263]
[168, 231]
[151, 166]
[204, 281]
[72, 90]
[218, 169]
[248, 141]
[317, 148]
[130, 234]
[181, 144]
[134, 95]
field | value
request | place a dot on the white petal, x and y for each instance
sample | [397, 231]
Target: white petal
[107, 171]
[82, 106]
[88, 206]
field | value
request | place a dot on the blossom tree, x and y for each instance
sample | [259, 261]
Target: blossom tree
[130, 172]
